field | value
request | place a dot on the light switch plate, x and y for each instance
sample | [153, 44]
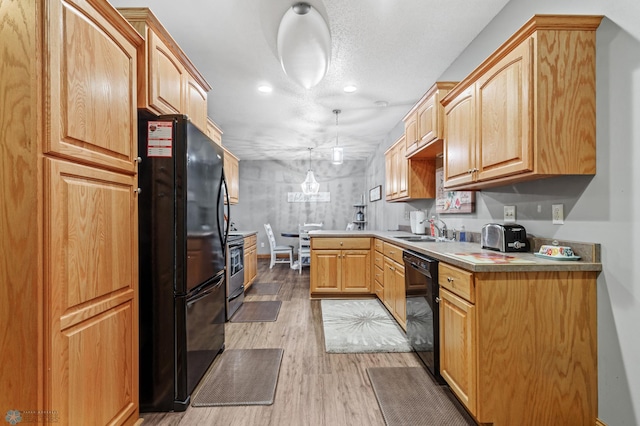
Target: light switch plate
[557, 214]
[509, 214]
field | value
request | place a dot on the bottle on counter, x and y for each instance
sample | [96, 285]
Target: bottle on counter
[462, 236]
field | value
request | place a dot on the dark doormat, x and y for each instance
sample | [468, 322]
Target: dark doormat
[409, 396]
[241, 377]
[257, 311]
[264, 289]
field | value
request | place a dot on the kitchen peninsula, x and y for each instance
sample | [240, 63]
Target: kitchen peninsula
[518, 333]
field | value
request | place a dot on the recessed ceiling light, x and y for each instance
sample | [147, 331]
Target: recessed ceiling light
[265, 89]
[350, 89]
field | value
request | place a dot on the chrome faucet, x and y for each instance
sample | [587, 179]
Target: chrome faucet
[442, 230]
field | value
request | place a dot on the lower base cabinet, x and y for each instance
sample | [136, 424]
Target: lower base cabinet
[340, 266]
[520, 348]
[394, 287]
[250, 260]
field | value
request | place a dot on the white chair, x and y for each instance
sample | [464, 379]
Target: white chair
[304, 246]
[276, 249]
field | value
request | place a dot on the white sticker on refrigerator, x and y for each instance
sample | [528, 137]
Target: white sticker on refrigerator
[159, 138]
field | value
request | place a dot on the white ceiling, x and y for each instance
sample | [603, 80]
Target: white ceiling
[392, 50]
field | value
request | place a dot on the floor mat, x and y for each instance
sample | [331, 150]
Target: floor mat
[257, 312]
[361, 326]
[241, 377]
[264, 289]
[409, 396]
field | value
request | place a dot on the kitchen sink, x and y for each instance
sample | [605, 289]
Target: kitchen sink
[418, 238]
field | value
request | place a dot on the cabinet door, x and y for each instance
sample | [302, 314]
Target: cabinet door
[214, 132]
[459, 144]
[91, 273]
[356, 271]
[427, 120]
[326, 271]
[394, 171]
[505, 103]
[389, 289]
[167, 78]
[91, 89]
[400, 300]
[388, 174]
[402, 171]
[232, 176]
[196, 104]
[411, 133]
[458, 363]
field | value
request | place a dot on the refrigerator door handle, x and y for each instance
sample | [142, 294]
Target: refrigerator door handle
[223, 183]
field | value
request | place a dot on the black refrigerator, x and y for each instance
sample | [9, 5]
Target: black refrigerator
[182, 235]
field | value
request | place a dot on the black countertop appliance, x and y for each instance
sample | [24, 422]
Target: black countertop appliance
[182, 240]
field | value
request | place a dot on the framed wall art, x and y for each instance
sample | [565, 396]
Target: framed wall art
[452, 201]
[375, 193]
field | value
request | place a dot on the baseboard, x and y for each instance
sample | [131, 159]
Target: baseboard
[600, 423]
[268, 256]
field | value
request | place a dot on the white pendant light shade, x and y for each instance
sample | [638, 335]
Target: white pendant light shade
[337, 155]
[310, 184]
[304, 45]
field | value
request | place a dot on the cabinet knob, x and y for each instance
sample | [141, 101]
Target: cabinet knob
[450, 279]
[437, 299]
[340, 242]
[137, 191]
[138, 160]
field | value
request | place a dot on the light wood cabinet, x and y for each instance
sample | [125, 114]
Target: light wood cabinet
[70, 274]
[520, 347]
[407, 179]
[528, 111]
[214, 132]
[250, 260]
[378, 270]
[428, 116]
[340, 265]
[168, 82]
[394, 285]
[232, 175]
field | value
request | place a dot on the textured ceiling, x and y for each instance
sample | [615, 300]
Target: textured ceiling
[392, 50]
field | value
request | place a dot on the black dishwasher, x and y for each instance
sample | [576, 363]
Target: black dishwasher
[423, 322]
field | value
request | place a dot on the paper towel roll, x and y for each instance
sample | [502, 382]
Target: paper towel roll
[420, 222]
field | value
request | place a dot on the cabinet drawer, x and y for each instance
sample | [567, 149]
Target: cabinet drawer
[378, 259]
[458, 281]
[378, 273]
[378, 245]
[250, 241]
[393, 252]
[341, 243]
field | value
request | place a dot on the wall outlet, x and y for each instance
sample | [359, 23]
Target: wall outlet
[509, 214]
[407, 215]
[557, 214]
[261, 245]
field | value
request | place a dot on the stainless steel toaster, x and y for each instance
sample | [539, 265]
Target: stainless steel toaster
[505, 238]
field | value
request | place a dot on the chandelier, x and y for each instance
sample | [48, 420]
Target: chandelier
[310, 184]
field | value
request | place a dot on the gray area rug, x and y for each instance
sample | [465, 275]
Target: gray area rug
[264, 289]
[361, 326]
[408, 396]
[241, 377]
[257, 312]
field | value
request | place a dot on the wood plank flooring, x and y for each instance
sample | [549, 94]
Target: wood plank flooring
[314, 388]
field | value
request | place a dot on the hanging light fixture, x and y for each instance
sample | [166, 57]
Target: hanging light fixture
[304, 45]
[310, 184]
[337, 155]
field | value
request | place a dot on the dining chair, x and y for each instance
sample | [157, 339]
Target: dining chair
[304, 246]
[276, 249]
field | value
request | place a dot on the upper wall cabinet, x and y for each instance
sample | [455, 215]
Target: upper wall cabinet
[408, 178]
[528, 111]
[214, 132]
[424, 124]
[168, 83]
[231, 172]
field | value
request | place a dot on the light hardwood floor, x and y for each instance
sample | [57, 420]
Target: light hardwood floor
[314, 388]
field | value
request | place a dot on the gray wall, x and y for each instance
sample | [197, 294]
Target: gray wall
[604, 209]
[263, 196]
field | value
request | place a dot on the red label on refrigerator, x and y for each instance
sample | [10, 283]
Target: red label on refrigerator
[159, 138]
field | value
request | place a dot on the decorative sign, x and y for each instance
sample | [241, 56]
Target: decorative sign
[301, 197]
[452, 201]
[159, 138]
[375, 193]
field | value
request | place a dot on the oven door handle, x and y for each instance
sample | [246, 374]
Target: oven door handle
[237, 295]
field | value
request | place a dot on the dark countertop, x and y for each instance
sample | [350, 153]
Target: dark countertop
[472, 257]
